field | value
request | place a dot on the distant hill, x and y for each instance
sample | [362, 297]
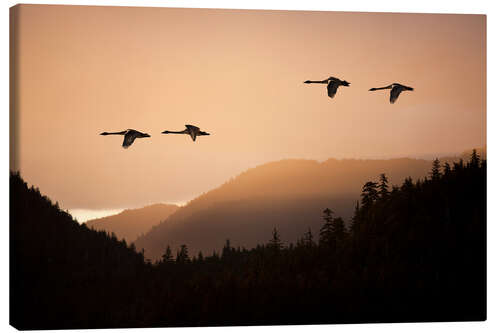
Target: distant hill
[289, 195]
[131, 223]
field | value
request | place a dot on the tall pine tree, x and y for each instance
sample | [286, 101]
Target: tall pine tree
[369, 194]
[167, 256]
[435, 171]
[182, 255]
[383, 186]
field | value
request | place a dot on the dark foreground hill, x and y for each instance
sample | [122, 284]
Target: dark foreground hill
[416, 252]
[131, 223]
[287, 194]
[64, 275]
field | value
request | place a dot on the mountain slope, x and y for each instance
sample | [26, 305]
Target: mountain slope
[131, 223]
[64, 275]
[289, 195]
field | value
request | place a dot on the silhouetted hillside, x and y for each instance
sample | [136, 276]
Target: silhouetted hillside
[64, 275]
[287, 194]
[131, 223]
[414, 252]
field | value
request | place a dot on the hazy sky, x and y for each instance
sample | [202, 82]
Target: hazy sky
[238, 75]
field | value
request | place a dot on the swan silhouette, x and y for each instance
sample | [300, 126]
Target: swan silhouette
[193, 131]
[332, 85]
[396, 89]
[129, 136]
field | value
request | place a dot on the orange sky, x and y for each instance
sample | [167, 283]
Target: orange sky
[237, 74]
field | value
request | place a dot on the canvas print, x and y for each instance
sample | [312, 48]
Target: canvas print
[211, 167]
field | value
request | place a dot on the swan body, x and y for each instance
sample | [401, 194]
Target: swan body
[128, 136]
[396, 90]
[332, 85]
[191, 130]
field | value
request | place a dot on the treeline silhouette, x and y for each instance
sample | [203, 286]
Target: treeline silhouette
[415, 252]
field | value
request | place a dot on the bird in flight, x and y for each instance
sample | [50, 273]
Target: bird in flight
[396, 89]
[332, 85]
[191, 130]
[129, 136]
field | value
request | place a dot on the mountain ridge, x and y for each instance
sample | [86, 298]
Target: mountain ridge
[288, 194]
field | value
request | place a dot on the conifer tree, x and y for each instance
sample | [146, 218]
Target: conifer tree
[369, 194]
[446, 168]
[182, 255]
[435, 172]
[474, 159]
[167, 256]
[383, 186]
[333, 231]
[326, 231]
[328, 215]
[275, 242]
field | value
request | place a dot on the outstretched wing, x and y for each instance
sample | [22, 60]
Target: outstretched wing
[192, 127]
[332, 88]
[193, 131]
[128, 139]
[395, 93]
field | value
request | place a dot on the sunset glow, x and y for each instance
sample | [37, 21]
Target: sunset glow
[239, 75]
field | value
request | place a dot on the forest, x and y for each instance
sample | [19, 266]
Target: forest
[412, 252]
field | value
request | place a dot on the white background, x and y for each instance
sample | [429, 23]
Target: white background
[421, 6]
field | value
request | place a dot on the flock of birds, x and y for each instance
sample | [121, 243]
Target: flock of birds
[130, 135]
[332, 86]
